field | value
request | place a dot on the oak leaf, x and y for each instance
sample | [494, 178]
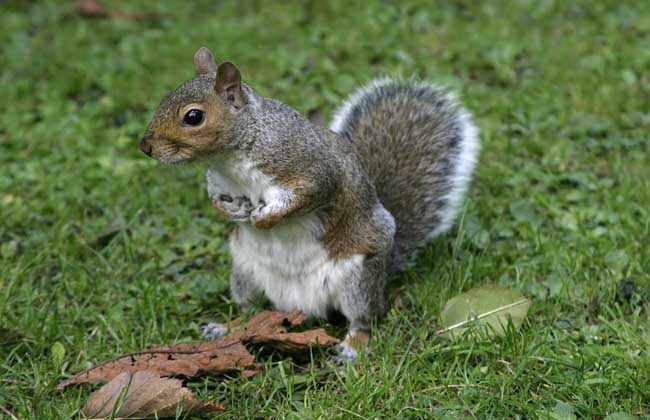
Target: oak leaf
[224, 355]
[143, 395]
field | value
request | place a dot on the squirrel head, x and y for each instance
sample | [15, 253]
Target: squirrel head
[190, 122]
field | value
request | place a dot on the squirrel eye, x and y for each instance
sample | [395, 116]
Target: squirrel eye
[194, 117]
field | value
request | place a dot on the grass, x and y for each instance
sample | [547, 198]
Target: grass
[104, 251]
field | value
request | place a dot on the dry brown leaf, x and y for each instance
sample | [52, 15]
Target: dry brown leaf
[224, 355]
[91, 8]
[268, 328]
[96, 9]
[144, 395]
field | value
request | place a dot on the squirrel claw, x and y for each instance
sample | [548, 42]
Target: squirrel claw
[344, 354]
[237, 209]
[259, 210]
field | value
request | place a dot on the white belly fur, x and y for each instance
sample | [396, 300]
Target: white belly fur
[293, 268]
[289, 262]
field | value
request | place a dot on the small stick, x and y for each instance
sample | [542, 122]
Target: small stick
[7, 412]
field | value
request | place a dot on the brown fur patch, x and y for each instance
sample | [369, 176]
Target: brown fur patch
[269, 221]
[172, 141]
[344, 239]
[358, 340]
[343, 249]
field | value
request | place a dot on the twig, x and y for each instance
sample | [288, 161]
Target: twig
[452, 386]
[7, 412]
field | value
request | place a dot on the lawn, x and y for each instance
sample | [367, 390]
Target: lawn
[105, 251]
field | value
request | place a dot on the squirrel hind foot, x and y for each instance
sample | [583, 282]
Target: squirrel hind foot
[345, 354]
[214, 330]
[355, 342]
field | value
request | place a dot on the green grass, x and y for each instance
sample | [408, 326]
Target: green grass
[560, 207]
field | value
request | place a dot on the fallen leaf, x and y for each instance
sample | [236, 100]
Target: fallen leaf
[91, 8]
[144, 394]
[96, 9]
[223, 355]
[562, 411]
[489, 306]
[621, 416]
[58, 353]
[268, 328]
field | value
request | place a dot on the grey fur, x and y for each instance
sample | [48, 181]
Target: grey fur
[411, 138]
[393, 178]
[242, 288]
[363, 298]
[322, 169]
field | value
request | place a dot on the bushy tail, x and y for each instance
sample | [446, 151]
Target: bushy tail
[419, 146]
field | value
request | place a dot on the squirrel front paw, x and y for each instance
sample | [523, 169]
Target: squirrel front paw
[263, 217]
[237, 209]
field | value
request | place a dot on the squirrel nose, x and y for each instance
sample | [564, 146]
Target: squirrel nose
[145, 146]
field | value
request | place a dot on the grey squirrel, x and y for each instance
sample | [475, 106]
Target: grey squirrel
[322, 215]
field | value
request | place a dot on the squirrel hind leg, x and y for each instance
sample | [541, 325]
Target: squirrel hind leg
[362, 301]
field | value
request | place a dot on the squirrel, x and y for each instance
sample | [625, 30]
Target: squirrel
[323, 216]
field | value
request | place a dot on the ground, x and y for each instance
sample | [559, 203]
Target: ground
[105, 251]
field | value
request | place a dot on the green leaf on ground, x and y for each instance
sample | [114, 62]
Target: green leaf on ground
[620, 416]
[58, 353]
[490, 306]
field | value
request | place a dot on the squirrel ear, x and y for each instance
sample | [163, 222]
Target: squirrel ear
[204, 61]
[228, 83]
